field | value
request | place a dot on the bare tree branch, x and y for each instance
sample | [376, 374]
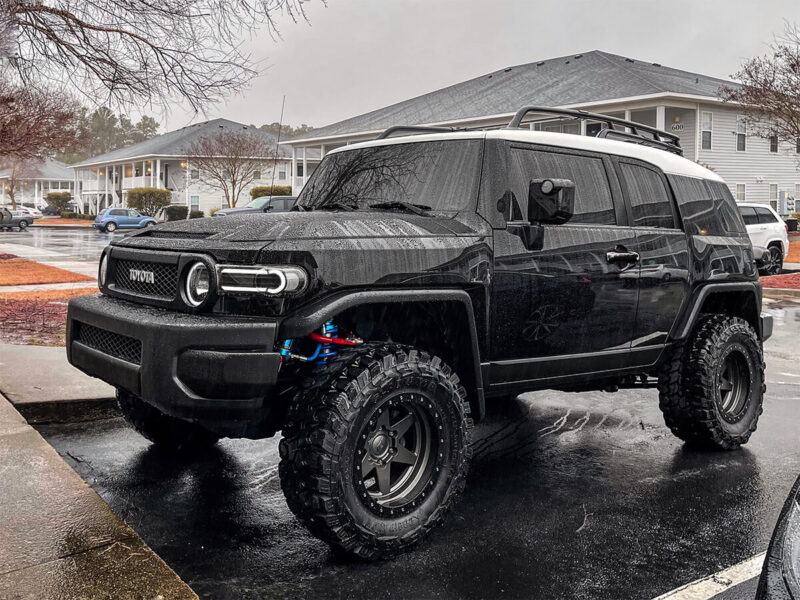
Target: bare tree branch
[126, 53]
[229, 161]
[770, 89]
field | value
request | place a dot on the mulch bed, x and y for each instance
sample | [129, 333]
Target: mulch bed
[37, 318]
[20, 271]
[60, 221]
[787, 282]
[794, 252]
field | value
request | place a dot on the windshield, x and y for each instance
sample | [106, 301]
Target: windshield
[442, 176]
[258, 202]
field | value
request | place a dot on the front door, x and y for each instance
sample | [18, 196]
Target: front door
[564, 303]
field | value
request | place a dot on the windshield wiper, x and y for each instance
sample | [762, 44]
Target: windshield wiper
[335, 206]
[417, 209]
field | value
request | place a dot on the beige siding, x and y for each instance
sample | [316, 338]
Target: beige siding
[757, 167]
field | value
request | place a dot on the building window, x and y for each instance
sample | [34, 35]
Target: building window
[707, 120]
[194, 174]
[256, 175]
[797, 191]
[741, 192]
[282, 173]
[797, 149]
[741, 135]
[773, 143]
[194, 202]
[299, 170]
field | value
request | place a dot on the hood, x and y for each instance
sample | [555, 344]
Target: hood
[261, 229]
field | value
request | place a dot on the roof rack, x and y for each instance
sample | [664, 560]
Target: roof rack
[638, 133]
[413, 129]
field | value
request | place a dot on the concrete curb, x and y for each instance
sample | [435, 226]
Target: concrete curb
[780, 293]
[59, 538]
[69, 411]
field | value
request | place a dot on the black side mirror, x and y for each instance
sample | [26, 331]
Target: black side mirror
[268, 208]
[551, 201]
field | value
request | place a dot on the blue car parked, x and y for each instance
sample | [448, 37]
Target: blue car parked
[112, 219]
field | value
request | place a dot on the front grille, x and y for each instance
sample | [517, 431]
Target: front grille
[165, 278]
[114, 344]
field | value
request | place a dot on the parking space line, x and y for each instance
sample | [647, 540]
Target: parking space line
[714, 584]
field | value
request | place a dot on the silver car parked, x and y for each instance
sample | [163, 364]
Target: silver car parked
[12, 218]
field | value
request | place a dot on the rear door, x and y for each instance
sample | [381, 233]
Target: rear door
[772, 228]
[558, 307]
[662, 280]
[755, 230]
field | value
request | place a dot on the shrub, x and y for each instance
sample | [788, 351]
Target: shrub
[148, 201]
[196, 214]
[58, 200]
[67, 214]
[212, 211]
[270, 190]
[176, 212]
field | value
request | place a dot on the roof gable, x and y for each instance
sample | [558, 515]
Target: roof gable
[174, 143]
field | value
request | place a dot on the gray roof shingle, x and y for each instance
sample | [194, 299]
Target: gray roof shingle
[174, 143]
[567, 80]
[50, 169]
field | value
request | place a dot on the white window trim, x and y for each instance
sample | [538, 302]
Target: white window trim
[777, 192]
[777, 144]
[744, 192]
[710, 130]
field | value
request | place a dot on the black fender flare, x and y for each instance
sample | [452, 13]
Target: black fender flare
[686, 321]
[310, 317]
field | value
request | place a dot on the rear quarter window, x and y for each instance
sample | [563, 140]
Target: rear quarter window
[706, 207]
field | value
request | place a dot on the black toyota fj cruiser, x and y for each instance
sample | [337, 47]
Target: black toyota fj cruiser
[417, 280]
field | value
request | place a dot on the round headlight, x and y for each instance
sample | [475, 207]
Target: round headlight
[198, 284]
[103, 272]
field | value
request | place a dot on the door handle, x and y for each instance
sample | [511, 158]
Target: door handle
[616, 257]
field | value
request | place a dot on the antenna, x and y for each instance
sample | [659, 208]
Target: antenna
[275, 164]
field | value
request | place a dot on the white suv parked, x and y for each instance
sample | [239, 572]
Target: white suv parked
[766, 229]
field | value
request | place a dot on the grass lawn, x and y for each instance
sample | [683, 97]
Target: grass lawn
[20, 271]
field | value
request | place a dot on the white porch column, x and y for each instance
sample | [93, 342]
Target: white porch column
[187, 182]
[661, 117]
[158, 174]
[628, 118]
[698, 135]
[305, 166]
[151, 173]
[583, 127]
[105, 183]
[293, 175]
[97, 191]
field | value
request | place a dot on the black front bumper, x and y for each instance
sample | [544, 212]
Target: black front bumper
[212, 369]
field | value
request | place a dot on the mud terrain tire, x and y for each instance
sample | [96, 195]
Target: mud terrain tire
[711, 388]
[350, 419]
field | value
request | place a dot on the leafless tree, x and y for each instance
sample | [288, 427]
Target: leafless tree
[35, 123]
[133, 52]
[229, 161]
[770, 89]
[19, 172]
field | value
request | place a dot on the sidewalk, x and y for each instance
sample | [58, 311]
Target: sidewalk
[44, 387]
[58, 539]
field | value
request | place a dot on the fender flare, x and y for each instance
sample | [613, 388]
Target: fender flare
[310, 317]
[685, 323]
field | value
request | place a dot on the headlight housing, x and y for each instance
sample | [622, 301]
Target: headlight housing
[198, 284]
[102, 273]
[261, 279]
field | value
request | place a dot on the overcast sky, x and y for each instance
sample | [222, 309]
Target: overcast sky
[358, 55]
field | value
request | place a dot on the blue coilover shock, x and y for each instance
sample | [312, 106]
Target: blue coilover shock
[327, 349]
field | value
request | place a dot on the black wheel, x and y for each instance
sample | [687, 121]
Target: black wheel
[149, 224]
[162, 429]
[111, 227]
[376, 449]
[23, 225]
[712, 388]
[773, 264]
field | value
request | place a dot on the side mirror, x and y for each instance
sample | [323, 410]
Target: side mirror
[551, 201]
[267, 208]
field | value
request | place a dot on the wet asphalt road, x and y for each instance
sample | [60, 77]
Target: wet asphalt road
[71, 244]
[570, 496]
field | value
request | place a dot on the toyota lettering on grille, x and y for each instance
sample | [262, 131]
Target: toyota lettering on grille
[141, 276]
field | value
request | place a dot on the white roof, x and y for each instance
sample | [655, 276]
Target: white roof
[664, 160]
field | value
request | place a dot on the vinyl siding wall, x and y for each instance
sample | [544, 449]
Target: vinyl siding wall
[756, 167]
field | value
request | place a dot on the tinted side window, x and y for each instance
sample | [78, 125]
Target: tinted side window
[749, 215]
[648, 196]
[765, 216]
[725, 207]
[593, 200]
[707, 208]
[118, 212]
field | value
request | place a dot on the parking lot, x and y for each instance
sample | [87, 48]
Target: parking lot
[571, 495]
